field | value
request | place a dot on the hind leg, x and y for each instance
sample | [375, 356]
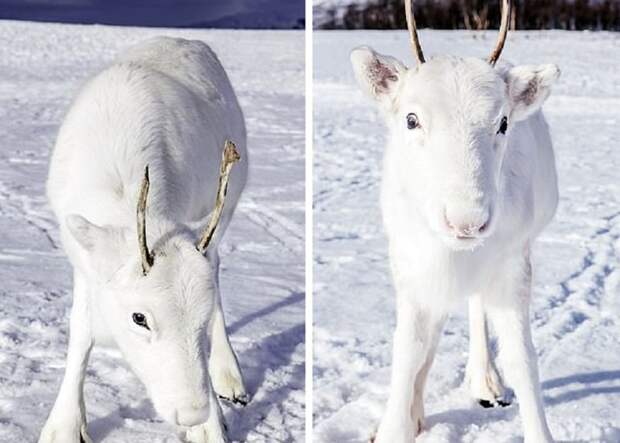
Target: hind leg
[484, 383]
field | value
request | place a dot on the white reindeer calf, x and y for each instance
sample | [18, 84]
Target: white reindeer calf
[165, 105]
[469, 181]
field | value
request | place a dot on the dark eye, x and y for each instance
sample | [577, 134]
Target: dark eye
[412, 121]
[503, 126]
[140, 319]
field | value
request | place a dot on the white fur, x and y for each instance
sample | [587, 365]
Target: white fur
[166, 103]
[461, 205]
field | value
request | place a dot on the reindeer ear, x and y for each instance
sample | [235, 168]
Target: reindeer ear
[92, 237]
[84, 232]
[103, 244]
[528, 88]
[198, 226]
[378, 75]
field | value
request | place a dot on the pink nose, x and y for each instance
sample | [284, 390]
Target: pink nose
[464, 228]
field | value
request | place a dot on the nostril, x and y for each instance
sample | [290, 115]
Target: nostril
[447, 222]
[465, 226]
[485, 226]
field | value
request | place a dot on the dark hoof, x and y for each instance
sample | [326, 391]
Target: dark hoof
[243, 400]
[491, 404]
[486, 404]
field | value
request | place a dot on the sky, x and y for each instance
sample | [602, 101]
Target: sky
[169, 13]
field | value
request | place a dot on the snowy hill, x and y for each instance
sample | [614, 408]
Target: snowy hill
[174, 13]
[41, 70]
[576, 300]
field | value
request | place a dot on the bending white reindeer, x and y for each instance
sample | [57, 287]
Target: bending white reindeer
[469, 181]
[166, 103]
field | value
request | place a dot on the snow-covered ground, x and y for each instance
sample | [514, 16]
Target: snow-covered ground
[576, 307]
[41, 68]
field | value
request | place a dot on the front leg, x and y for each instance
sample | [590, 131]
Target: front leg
[67, 420]
[420, 380]
[484, 383]
[416, 329]
[223, 365]
[508, 309]
[214, 430]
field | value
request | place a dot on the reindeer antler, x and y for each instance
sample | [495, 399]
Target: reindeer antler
[229, 158]
[147, 257]
[413, 32]
[503, 32]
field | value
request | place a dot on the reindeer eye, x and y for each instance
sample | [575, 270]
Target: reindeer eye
[412, 121]
[503, 126]
[140, 319]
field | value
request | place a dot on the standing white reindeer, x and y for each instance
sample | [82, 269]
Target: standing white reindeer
[165, 105]
[469, 181]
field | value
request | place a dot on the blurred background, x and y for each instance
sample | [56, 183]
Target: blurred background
[253, 14]
[468, 14]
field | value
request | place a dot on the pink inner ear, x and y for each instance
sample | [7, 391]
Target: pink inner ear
[528, 95]
[381, 74]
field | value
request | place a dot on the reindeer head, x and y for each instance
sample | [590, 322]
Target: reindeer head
[450, 120]
[158, 303]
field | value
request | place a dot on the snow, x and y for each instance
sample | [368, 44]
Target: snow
[41, 68]
[576, 303]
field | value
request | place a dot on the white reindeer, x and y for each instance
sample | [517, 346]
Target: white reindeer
[165, 104]
[469, 181]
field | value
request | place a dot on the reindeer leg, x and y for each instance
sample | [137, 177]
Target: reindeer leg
[415, 328]
[223, 365]
[508, 309]
[220, 366]
[484, 383]
[214, 430]
[417, 411]
[67, 420]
